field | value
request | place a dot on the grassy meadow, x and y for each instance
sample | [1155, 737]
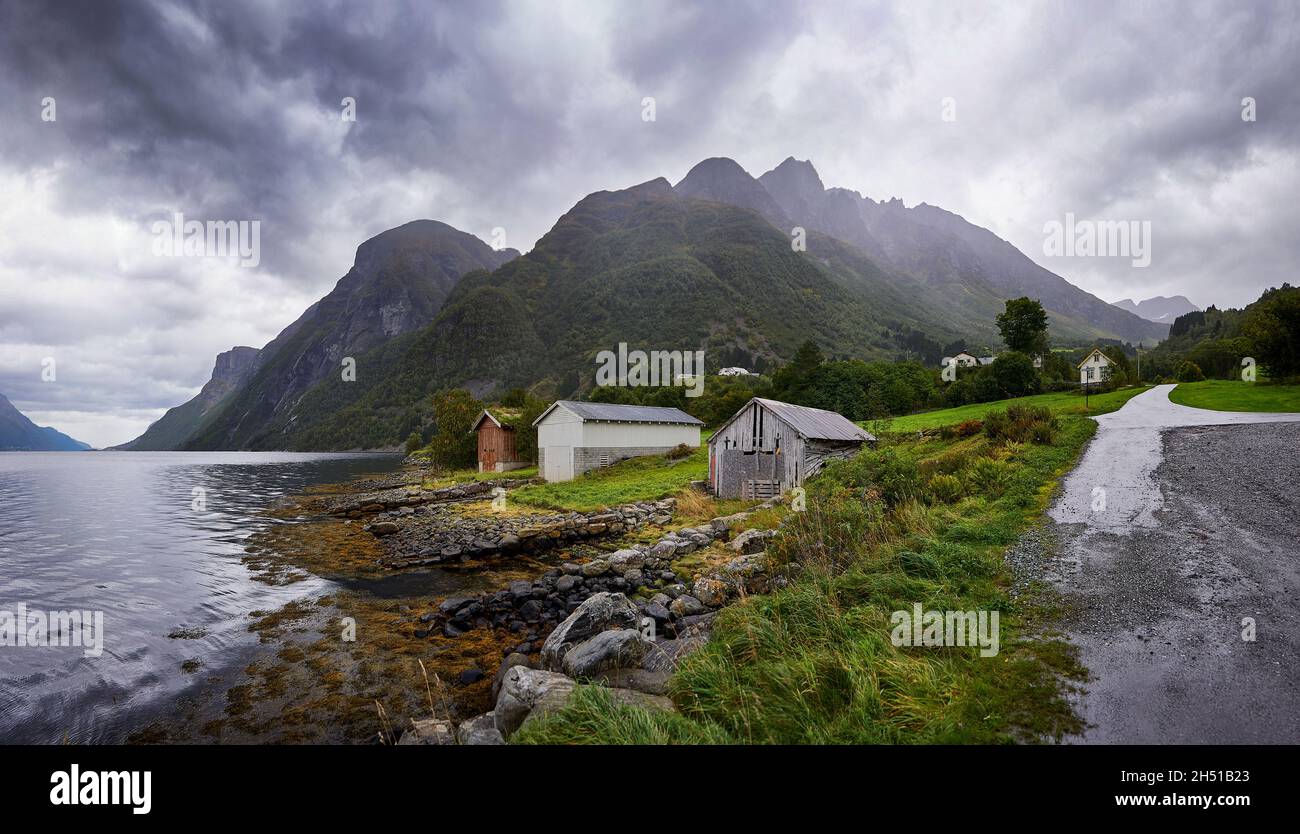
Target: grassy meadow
[1061, 403]
[646, 478]
[914, 521]
[1234, 395]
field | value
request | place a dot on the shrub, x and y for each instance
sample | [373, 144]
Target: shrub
[1188, 371]
[945, 488]
[681, 450]
[989, 476]
[413, 442]
[892, 479]
[1021, 423]
[967, 428]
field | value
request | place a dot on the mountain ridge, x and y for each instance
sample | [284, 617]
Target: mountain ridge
[398, 281]
[19, 434]
[1159, 308]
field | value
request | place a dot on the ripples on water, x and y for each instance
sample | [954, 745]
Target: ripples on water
[117, 532]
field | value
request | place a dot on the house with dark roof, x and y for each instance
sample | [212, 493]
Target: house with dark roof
[576, 437]
[769, 446]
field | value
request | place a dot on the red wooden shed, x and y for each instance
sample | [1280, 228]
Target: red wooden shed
[496, 442]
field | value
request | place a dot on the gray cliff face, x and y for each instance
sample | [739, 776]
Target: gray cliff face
[397, 284]
[169, 431]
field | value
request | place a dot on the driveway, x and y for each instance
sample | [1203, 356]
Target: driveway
[1178, 525]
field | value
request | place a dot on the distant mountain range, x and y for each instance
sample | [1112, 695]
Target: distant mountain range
[19, 434]
[1163, 309]
[707, 264]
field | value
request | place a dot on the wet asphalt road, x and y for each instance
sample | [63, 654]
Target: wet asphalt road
[1167, 536]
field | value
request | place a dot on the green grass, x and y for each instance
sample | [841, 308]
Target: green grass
[1060, 403]
[814, 662]
[592, 713]
[464, 476]
[1233, 395]
[637, 479]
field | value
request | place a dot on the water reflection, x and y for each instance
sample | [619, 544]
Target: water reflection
[120, 533]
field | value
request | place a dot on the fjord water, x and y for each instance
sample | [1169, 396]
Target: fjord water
[118, 532]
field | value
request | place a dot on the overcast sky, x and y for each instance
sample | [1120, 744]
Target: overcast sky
[488, 115]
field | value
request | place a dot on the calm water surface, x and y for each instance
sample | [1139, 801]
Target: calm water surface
[117, 532]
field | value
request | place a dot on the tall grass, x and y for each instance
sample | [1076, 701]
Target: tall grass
[814, 663]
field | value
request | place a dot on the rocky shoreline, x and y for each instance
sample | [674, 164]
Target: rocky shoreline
[469, 620]
[579, 626]
[433, 535]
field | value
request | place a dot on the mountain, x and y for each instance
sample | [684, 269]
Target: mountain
[398, 282]
[1163, 309]
[707, 264]
[722, 180]
[19, 434]
[646, 266]
[176, 426]
[946, 251]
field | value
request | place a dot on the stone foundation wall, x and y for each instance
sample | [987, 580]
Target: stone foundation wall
[587, 458]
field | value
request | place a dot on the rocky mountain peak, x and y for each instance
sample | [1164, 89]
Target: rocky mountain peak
[234, 363]
[722, 180]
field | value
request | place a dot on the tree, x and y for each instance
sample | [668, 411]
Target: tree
[1023, 325]
[1015, 374]
[413, 442]
[793, 381]
[1273, 327]
[525, 431]
[453, 446]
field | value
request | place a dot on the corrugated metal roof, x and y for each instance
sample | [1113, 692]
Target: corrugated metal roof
[815, 423]
[613, 412]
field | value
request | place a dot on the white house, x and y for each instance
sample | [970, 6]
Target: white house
[576, 437]
[735, 372]
[966, 360]
[1095, 367]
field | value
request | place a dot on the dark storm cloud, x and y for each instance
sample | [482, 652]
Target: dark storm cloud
[492, 114]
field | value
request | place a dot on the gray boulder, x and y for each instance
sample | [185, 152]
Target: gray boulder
[429, 731]
[526, 692]
[712, 592]
[480, 730]
[513, 659]
[621, 560]
[686, 606]
[604, 651]
[601, 612]
[641, 680]
[751, 541]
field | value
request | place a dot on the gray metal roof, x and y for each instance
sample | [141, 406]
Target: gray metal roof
[616, 413]
[815, 423]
